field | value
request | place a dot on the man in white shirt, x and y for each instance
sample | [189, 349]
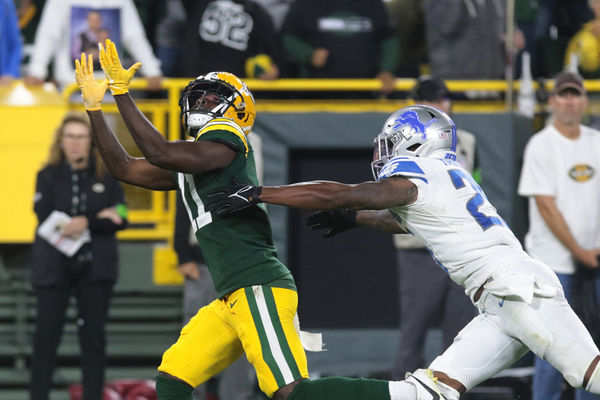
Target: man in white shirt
[559, 176]
[62, 24]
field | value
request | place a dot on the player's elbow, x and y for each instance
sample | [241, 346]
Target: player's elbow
[120, 169]
[159, 159]
[118, 172]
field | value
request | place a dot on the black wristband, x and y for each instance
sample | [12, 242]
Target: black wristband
[351, 216]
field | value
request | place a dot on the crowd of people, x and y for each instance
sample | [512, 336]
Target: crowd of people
[269, 39]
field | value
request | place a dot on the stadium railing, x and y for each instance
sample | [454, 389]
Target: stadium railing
[152, 217]
[151, 214]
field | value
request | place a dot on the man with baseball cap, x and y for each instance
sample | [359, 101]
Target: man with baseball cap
[428, 298]
[569, 80]
[560, 178]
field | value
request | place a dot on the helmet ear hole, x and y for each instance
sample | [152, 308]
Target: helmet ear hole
[414, 147]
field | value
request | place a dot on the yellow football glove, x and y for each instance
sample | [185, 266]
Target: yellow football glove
[91, 90]
[118, 77]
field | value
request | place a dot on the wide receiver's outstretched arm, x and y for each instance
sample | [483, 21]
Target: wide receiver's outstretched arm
[132, 170]
[181, 156]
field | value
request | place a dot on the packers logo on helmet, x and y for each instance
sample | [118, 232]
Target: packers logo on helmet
[217, 95]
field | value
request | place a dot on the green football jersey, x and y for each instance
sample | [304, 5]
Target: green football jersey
[238, 248]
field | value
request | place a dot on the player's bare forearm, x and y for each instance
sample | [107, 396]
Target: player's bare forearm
[149, 140]
[559, 227]
[325, 195]
[556, 222]
[114, 155]
[381, 220]
[123, 167]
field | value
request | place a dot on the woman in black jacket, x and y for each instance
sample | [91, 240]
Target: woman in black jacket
[74, 182]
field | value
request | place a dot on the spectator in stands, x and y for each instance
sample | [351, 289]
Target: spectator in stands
[229, 35]
[466, 38]
[151, 12]
[277, 9]
[525, 19]
[169, 33]
[556, 23]
[585, 46]
[409, 21]
[61, 25]
[10, 43]
[341, 39]
[428, 296]
[75, 183]
[29, 12]
[560, 178]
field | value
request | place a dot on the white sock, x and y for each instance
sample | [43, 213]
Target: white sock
[402, 390]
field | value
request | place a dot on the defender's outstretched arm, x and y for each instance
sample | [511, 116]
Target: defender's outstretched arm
[325, 195]
[321, 195]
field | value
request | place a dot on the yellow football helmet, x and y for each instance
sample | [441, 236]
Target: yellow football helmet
[217, 95]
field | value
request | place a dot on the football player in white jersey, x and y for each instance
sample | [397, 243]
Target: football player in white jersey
[420, 189]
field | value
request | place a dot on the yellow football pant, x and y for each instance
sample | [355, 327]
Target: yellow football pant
[257, 320]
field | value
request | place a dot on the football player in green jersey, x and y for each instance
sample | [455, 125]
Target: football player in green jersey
[257, 303]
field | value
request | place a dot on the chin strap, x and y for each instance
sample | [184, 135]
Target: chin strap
[197, 120]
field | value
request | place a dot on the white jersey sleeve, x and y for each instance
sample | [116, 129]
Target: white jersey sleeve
[454, 220]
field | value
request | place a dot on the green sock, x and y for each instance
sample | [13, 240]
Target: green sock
[172, 389]
[336, 387]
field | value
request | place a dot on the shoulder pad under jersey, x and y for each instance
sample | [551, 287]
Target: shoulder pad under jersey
[224, 124]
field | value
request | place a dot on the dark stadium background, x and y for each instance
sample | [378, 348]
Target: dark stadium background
[349, 280]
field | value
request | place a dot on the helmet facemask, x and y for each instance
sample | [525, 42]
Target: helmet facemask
[382, 152]
[205, 100]
[386, 147]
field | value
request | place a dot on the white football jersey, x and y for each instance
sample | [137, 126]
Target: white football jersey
[454, 220]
